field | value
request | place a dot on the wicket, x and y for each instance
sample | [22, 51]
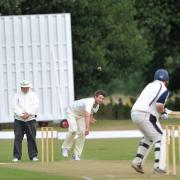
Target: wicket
[45, 142]
[171, 132]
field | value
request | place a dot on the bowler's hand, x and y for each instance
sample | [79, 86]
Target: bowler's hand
[86, 131]
[93, 121]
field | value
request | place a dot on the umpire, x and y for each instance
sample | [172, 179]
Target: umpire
[25, 106]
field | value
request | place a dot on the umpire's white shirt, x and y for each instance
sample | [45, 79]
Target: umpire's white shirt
[87, 104]
[148, 98]
[25, 103]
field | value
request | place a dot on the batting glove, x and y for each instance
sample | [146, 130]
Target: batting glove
[168, 111]
[164, 116]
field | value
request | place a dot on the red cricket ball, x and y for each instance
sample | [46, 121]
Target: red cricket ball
[64, 123]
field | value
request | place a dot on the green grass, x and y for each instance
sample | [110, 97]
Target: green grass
[110, 149]
[125, 124]
[6, 153]
[113, 125]
[16, 174]
[105, 150]
[101, 150]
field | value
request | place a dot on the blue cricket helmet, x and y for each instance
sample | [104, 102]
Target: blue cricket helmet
[161, 75]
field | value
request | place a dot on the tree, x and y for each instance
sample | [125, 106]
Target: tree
[159, 22]
[106, 35]
[10, 7]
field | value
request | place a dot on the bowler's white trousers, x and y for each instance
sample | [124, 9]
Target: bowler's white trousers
[142, 120]
[76, 132]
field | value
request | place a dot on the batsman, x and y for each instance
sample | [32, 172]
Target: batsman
[145, 113]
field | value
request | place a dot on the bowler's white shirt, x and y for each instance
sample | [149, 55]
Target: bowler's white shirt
[25, 103]
[82, 105]
[147, 96]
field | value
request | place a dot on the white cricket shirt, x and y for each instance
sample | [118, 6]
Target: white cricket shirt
[82, 105]
[154, 92]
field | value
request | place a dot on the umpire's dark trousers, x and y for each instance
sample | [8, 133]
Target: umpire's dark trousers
[28, 128]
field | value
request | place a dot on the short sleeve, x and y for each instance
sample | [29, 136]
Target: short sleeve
[162, 99]
[89, 106]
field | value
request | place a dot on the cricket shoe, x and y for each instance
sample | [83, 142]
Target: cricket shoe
[76, 158]
[159, 171]
[64, 152]
[15, 160]
[35, 159]
[138, 168]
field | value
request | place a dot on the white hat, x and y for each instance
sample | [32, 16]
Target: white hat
[25, 83]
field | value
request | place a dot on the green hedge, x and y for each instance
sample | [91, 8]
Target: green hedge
[115, 110]
[122, 111]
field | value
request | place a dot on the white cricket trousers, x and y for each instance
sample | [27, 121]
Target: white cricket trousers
[151, 130]
[153, 135]
[76, 133]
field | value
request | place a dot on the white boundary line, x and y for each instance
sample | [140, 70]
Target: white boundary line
[92, 135]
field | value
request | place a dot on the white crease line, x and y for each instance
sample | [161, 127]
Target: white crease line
[87, 178]
[6, 163]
